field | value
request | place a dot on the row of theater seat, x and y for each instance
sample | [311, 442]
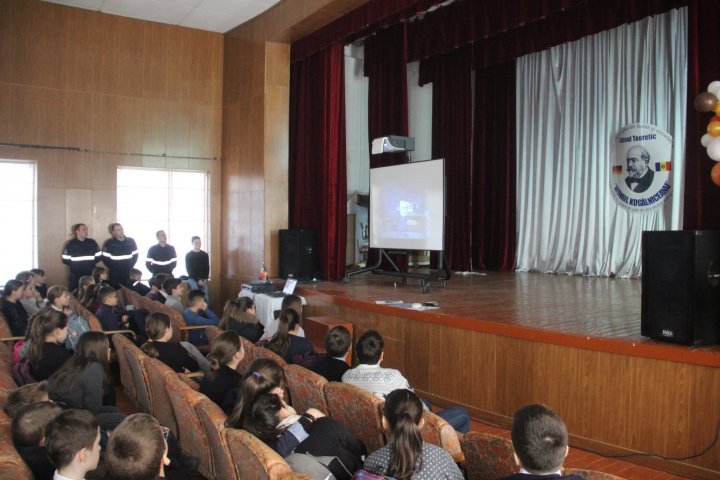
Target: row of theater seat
[235, 454]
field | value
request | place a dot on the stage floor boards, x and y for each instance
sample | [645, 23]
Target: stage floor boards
[588, 312]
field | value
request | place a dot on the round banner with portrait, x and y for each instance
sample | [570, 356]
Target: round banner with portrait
[640, 166]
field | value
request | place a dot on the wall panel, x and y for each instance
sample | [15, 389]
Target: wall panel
[71, 77]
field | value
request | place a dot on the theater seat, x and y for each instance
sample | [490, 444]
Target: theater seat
[193, 439]
[438, 432]
[487, 457]
[262, 352]
[212, 332]
[357, 409]
[307, 389]
[135, 359]
[590, 474]
[253, 459]
[11, 464]
[250, 354]
[121, 343]
[213, 421]
[162, 408]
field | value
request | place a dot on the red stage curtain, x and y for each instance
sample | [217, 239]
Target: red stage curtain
[702, 197]
[450, 75]
[494, 157]
[386, 68]
[318, 182]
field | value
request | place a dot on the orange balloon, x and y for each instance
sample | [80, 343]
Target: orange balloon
[715, 174]
[713, 128]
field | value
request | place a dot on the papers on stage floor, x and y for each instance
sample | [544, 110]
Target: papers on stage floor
[401, 304]
[389, 302]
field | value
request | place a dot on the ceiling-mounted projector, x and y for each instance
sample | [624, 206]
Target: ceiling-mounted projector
[393, 143]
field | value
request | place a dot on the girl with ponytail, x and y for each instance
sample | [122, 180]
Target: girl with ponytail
[285, 342]
[406, 456]
[46, 353]
[173, 354]
[225, 356]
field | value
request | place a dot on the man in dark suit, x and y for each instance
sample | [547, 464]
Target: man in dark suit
[640, 175]
[540, 442]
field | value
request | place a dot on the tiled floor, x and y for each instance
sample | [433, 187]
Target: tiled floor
[590, 461]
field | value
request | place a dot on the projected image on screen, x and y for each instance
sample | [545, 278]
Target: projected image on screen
[407, 206]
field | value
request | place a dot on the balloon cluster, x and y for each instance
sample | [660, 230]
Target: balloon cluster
[708, 102]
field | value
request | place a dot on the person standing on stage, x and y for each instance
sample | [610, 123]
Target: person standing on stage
[80, 253]
[120, 253]
[161, 258]
[197, 264]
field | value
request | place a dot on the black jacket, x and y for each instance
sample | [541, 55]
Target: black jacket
[119, 256]
[161, 259]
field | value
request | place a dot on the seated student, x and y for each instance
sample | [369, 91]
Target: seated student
[156, 284]
[159, 345]
[263, 375]
[370, 376]
[111, 317]
[285, 342]
[58, 300]
[24, 396]
[294, 302]
[31, 300]
[406, 456]
[540, 442]
[72, 441]
[172, 289]
[84, 381]
[12, 309]
[332, 365]
[101, 276]
[84, 283]
[239, 316]
[198, 313]
[136, 282]
[137, 449]
[28, 435]
[39, 276]
[46, 351]
[226, 353]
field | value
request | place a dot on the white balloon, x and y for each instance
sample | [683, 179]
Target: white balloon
[714, 85]
[713, 149]
[705, 139]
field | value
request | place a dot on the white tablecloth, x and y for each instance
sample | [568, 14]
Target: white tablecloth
[265, 307]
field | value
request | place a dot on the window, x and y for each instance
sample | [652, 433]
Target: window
[18, 197]
[175, 201]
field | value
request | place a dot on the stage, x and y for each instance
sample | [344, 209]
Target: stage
[501, 340]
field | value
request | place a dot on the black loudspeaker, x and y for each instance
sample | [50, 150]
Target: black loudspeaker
[298, 254]
[681, 286]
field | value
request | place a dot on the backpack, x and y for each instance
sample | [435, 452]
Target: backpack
[21, 373]
[365, 475]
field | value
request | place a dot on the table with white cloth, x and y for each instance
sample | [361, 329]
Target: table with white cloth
[265, 307]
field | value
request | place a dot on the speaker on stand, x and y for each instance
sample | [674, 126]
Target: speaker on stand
[681, 286]
[298, 254]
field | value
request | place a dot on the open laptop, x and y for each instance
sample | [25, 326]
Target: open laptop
[289, 289]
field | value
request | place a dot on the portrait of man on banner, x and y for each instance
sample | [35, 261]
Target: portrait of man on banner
[639, 174]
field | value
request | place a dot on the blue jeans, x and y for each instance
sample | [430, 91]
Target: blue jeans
[457, 417]
[194, 286]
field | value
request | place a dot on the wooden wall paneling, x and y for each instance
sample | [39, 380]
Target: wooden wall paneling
[104, 213]
[78, 208]
[51, 230]
[35, 115]
[155, 66]
[121, 60]
[117, 124]
[155, 125]
[421, 343]
[703, 382]
[205, 131]
[83, 50]
[78, 120]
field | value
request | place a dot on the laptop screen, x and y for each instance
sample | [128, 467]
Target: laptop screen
[290, 286]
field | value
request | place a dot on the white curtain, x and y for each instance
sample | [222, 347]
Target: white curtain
[571, 102]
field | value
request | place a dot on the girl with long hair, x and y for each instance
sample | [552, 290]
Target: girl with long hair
[83, 284]
[239, 316]
[270, 419]
[45, 352]
[84, 381]
[285, 342]
[406, 456]
[263, 376]
[225, 356]
[58, 300]
[182, 357]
